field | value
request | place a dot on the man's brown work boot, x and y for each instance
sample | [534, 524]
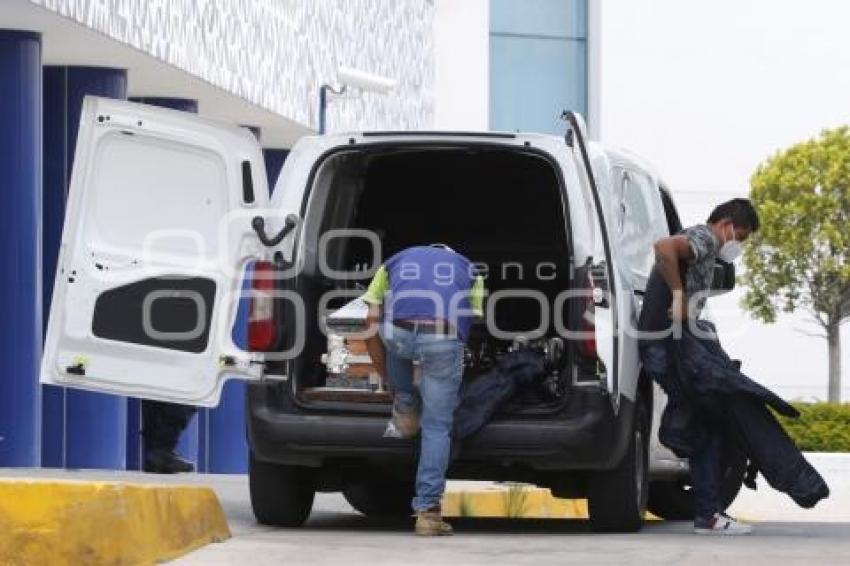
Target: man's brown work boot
[405, 420]
[429, 523]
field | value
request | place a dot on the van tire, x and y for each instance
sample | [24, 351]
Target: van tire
[673, 500]
[388, 500]
[281, 496]
[617, 498]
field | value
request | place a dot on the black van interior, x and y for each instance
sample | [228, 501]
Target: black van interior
[503, 208]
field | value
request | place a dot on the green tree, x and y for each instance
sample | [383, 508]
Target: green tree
[800, 259]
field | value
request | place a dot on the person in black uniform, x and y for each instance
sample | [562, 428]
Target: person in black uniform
[162, 425]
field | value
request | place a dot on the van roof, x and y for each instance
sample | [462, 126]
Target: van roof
[446, 134]
[437, 133]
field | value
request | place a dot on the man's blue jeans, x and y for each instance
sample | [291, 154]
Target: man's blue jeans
[705, 464]
[441, 363]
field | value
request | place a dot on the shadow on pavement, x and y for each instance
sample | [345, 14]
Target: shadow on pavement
[322, 521]
[353, 523]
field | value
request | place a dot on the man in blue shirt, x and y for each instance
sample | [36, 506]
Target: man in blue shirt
[423, 300]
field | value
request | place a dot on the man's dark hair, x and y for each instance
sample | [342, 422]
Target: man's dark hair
[740, 210]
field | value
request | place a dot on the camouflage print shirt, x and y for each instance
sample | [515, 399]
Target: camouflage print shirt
[700, 274]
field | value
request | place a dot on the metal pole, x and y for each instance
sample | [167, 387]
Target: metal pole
[323, 104]
[323, 107]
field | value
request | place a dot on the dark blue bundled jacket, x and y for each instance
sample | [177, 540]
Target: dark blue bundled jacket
[482, 397]
[707, 389]
[707, 392]
[701, 377]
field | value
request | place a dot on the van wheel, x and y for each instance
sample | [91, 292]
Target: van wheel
[617, 498]
[673, 500]
[281, 496]
[390, 499]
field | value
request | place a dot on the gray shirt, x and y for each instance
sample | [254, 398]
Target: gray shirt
[654, 322]
[700, 272]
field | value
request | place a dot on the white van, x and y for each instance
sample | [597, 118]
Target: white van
[168, 212]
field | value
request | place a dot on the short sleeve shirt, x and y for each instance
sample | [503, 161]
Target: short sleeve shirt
[700, 272]
[381, 284]
[698, 278]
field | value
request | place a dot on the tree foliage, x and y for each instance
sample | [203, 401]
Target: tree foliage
[800, 258]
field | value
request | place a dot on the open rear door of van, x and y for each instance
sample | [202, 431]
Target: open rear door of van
[609, 302]
[157, 235]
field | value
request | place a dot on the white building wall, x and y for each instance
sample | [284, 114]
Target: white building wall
[462, 54]
[277, 53]
[706, 89]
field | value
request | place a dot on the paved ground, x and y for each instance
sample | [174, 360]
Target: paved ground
[765, 503]
[336, 534]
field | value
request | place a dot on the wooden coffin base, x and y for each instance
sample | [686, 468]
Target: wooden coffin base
[346, 395]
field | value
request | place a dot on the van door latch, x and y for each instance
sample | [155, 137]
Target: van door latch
[599, 278]
[259, 226]
[77, 369]
[274, 377]
[78, 365]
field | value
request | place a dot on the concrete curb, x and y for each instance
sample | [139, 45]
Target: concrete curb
[77, 522]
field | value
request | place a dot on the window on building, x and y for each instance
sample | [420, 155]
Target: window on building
[538, 63]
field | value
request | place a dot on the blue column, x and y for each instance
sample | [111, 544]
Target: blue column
[190, 440]
[274, 159]
[228, 447]
[135, 455]
[20, 235]
[203, 464]
[227, 444]
[81, 429]
[55, 187]
[228, 441]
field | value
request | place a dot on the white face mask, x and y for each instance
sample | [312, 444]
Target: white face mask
[731, 250]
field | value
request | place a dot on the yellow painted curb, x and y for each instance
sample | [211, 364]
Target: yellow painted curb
[514, 501]
[76, 522]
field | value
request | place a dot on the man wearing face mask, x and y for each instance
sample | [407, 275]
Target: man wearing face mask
[686, 263]
[728, 226]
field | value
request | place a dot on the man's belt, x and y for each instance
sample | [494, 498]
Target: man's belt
[426, 326]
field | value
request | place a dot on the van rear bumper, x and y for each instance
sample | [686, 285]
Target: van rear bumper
[586, 435]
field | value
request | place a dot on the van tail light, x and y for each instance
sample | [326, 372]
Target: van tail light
[262, 326]
[587, 325]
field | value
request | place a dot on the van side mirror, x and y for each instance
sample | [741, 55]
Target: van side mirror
[724, 277]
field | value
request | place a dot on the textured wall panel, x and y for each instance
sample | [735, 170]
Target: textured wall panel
[276, 53]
